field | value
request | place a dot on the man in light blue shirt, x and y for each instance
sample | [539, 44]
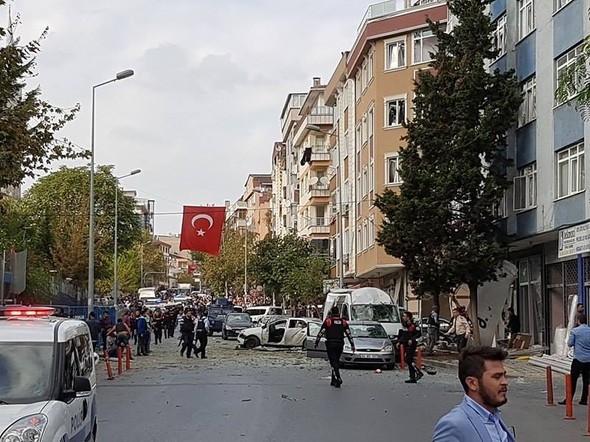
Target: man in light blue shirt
[580, 340]
[477, 418]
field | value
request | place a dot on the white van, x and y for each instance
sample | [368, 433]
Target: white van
[48, 388]
[365, 304]
[260, 311]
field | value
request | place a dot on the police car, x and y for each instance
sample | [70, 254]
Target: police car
[48, 387]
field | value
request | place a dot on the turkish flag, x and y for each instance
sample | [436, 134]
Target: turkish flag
[201, 229]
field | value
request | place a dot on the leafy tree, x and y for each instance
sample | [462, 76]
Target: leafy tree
[289, 268]
[28, 124]
[57, 207]
[442, 224]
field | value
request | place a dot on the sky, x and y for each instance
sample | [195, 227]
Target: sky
[211, 76]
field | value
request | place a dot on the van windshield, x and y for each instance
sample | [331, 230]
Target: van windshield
[26, 372]
[375, 312]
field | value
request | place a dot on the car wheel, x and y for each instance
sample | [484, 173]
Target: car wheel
[251, 342]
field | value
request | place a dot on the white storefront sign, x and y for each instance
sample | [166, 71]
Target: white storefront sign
[574, 240]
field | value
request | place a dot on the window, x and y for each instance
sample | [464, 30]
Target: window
[358, 138]
[570, 171]
[499, 36]
[364, 79]
[359, 240]
[392, 170]
[395, 54]
[365, 182]
[358, 86]
[395, 112]
[424, 43]
[528, 107]
[366, 234]
[565, 61]
[526, 17]
[371, 230]
[370, 66]
[525, 188]
[561, 3]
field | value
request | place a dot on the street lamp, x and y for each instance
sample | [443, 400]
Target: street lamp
[120, 76]
[115, 263]
[314, 128]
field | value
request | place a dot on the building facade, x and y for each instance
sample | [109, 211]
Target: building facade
[538, 39]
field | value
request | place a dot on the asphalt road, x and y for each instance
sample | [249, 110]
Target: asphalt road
[282, 396]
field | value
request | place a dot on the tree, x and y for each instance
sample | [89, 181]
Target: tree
[28, 124]
[57, 207]
[573, 81]
[443, 223]
[289, 268]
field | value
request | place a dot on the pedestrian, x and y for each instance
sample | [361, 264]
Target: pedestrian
[172, 323]
[477, 417]
[166, 323]
[460, 329]
[105, 325]
[433, 328]
[202, 331]
[147, 314]
[122, 333]
[142, 335]
[133, 325]
[95, 328]
[513, 326]
[158, 324]
[580, 340]
[579, 311]
[408, 337]
[187, 328]
[335, 328]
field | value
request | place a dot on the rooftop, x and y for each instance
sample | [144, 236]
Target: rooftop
[390, 7]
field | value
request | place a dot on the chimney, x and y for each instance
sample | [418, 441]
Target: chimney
[317, 81]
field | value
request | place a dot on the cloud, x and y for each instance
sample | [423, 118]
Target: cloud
[202, 110]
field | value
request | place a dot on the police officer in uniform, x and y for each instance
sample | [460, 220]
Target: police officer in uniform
[187, 332]
[201, 335]
[408, 337]
[335, 328]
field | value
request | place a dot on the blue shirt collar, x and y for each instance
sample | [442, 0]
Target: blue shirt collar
[481, 411]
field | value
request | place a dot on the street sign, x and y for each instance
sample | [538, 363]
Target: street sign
[574, 241]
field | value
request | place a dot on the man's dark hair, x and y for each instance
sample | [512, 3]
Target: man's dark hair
[510, 309]
[582, 319]
[409, 315]
[472, 362]
[119, 320]
[580, 304]
[92, 315]
[334, 311]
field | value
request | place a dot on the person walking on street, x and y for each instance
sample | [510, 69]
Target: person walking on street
[580, 340]
[335, 328]
[513, 326]
[158, 324]
[433, 327]
[461, 329]
[142, 331]
[409, 339]
[202, 331]
[187, 332]
[477, 418]
[579, 311]
[105, 325]
[94, 326]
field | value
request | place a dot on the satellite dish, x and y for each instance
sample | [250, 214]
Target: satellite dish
[287, 203]
[313, 180]
[324, 180]
[279, 147]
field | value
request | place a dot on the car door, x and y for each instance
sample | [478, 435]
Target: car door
[295, 334]
[77, 409]
[312, 330]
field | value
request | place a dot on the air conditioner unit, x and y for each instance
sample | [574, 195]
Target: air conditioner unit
[334, 210]
[345, 209]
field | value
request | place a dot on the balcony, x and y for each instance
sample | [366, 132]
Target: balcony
[391, 7]
[318, 116]
[319, 226]
[319, 191]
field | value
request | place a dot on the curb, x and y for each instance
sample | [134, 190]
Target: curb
[452, 365]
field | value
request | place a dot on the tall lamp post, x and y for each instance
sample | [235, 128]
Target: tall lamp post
[115, 263]
[120, 76]
[314, 128]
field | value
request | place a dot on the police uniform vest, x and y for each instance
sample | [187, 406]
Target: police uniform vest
[188, 324]
[335, 327]
[201, 325]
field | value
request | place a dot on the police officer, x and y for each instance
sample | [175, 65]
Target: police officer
[408, 337]
[334, 328]
[187, 328]
[201, 334]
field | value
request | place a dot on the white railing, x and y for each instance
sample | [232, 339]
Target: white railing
[390, 7]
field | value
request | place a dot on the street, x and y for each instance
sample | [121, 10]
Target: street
[258, 396]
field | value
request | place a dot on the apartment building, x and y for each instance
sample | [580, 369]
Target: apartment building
[547, 208]
[257, 197]
[144, 209]
[371, 90]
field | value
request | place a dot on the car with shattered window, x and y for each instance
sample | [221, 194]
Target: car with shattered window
[234, 323]
[280, 332]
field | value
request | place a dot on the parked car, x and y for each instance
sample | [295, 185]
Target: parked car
[281, 332]
[443, 327]
[216, 316]
[372, 345]
[234, 323]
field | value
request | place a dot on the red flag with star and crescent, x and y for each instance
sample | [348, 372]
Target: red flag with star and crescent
[201, 229]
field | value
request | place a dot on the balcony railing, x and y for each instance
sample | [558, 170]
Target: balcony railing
[319, 191]
[390, 7]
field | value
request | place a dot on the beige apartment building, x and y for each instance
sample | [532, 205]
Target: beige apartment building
[371, 90]
[252, 209]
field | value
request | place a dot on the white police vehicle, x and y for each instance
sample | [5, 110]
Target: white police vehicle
[48, 378]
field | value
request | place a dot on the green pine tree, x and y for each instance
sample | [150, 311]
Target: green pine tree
[442, 223]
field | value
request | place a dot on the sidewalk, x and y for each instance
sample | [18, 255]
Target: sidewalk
[516, 368]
